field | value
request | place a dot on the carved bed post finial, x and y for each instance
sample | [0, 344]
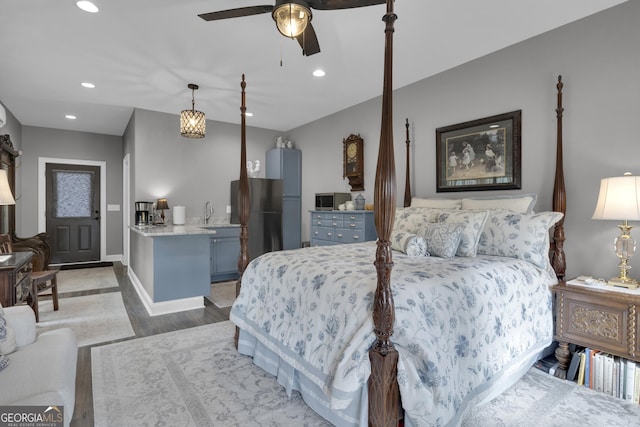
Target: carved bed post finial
[407, 183]
[243, 198]
[383, 385]
[558, 261]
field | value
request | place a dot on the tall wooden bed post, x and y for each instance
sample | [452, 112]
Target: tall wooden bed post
[383, 386]
[243, 196]
[407, 181]
[558, 261]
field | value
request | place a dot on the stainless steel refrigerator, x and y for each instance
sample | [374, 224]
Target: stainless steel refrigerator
[265, 214]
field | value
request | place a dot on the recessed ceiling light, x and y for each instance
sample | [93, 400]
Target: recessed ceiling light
[248, 114]
[88, 85]
[319, 73]
[87, 6]
[70, 117]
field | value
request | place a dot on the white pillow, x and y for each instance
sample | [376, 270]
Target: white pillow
[522, 236]
[417, 202]
[410, 244]
[522, 203]
[473, 223]
[412, 220]
[442, 239]
[7, 336]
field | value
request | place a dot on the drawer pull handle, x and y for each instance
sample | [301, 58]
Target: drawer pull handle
[356, 237]
[352, 225]
[334, 217]
[334, 224]
[352, 217]
[339, 234]
[316, 233]
[319, 223]
[329, 234]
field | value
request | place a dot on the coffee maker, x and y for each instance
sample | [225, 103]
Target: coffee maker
[144, 213]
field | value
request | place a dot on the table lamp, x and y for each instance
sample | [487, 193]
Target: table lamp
[619, 199]
[6, 198]
[161, 204]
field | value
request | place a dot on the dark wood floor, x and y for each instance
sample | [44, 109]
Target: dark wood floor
[143, 326]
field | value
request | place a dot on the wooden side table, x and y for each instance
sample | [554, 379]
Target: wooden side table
[601, 318]
[15, 279]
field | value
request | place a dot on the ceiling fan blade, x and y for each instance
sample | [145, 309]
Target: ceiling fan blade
[308, 41]
[236, 13]
[342, 4]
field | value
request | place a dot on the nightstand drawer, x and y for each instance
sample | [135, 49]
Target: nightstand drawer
[586, 320]
[602, 319]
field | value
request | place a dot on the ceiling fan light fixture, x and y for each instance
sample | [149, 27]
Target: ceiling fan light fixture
[193, 123]
[292, 18]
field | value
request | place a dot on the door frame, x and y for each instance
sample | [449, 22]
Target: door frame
[42, 193]
[126, 217]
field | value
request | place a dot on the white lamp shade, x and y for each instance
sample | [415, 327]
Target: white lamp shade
[6, 198]
[619, 198]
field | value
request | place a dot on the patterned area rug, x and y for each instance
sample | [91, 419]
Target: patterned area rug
[86, 279]
[223, 294]
[195, 377]
[192, 377]
[94, 318]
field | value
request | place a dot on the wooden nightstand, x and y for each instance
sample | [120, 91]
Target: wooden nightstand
[601, 318]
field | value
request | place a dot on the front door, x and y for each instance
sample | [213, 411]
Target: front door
[73, 212]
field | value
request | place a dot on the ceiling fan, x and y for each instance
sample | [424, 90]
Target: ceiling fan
[293, 17]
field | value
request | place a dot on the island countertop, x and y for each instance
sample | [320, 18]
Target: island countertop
[178, 230]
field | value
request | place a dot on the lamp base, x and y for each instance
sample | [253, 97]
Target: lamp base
[625, 282]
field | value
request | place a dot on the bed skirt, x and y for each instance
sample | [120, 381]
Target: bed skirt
[356, 413]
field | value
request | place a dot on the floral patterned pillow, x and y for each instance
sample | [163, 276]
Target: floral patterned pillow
[7, 336]
[473, 223]
[4, 361]
[523, 236]
[412, 220]
[442, 239]
[409, 244]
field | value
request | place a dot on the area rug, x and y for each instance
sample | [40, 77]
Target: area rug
[223, 294]
[195, 377]
[539, 399]
[86, 279]
[94, 318]
[191, 377]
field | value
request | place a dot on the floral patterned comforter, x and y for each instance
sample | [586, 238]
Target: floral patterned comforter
[458, 323]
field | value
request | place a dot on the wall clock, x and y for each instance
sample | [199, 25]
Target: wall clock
[353, 161]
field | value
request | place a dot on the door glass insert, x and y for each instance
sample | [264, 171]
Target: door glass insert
[74, 194]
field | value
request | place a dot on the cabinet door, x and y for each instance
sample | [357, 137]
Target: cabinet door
[291, 223]
[224, 258]
[291, 172]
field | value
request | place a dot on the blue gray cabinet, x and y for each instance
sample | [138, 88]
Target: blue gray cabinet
[286, 164]
[338, 227]
[225, 249]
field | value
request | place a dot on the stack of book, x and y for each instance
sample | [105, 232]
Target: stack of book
[606, 373]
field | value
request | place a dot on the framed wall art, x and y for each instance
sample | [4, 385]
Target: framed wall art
[481, 154]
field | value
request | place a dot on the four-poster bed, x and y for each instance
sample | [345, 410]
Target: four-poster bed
[323, 322]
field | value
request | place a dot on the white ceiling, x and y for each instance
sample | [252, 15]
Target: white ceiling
[143, 53]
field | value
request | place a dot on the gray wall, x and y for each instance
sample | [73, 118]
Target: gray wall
[45, 142]
[599, 61]
[186, 171]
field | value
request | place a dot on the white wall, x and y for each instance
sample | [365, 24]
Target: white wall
[599, 61]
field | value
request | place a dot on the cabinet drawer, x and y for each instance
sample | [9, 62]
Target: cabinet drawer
[226, 232]
[348, 235]
[324, 233]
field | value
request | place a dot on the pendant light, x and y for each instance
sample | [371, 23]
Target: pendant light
[193, 123]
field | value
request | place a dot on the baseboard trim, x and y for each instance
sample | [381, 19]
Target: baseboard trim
[164, 307]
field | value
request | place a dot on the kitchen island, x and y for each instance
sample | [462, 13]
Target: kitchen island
[170, 265]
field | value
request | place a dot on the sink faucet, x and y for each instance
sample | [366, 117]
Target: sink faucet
[208, 211]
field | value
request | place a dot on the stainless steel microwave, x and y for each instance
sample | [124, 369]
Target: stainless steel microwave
[331, 201]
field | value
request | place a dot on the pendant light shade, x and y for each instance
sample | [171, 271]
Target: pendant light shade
[291, 18]
[193, 123]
